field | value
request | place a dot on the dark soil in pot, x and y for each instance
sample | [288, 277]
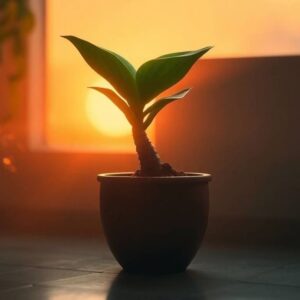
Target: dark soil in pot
[154, 224]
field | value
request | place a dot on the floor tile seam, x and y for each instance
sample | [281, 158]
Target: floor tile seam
[268, 284]
[48, 281]
[271, 269]
[47, 268]
[65, 278]
[61, 286]
[25, 286]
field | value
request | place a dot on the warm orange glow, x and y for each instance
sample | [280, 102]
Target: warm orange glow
[6, 161]
[8, 164]
[77, 117]
[104, 115]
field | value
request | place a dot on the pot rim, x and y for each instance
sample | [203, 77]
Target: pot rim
[128, 176]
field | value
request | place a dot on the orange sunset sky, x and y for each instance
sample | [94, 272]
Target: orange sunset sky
[140, 30]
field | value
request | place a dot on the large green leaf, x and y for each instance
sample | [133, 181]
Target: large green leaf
[118, 101]
[156, 75]
[173, 54]
[114, 68]
[155, 108]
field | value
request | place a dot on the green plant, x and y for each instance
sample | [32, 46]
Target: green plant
[136, 88]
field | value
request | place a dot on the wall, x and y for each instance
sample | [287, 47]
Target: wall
[240, 123]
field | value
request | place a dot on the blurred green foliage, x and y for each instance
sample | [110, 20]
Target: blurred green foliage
[16, 21]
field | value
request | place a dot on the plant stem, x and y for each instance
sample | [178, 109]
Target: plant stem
[148, 157]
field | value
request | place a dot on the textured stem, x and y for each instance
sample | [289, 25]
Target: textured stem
[149, 159]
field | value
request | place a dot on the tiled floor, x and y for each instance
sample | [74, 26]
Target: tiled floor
[63, 269]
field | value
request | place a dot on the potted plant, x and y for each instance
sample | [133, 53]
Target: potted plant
[154, 219]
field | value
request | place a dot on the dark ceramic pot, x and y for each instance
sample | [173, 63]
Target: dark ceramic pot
[154, 224]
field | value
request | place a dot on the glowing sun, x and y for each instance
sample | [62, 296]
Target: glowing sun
[104, 115]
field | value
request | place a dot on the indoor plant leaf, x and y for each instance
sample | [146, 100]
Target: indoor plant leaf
[118, 101]
[134, 89]
[173, 54]
[156, 75]
[114, 68]
[155, 108]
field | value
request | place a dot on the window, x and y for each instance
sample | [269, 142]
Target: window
[65, 114]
